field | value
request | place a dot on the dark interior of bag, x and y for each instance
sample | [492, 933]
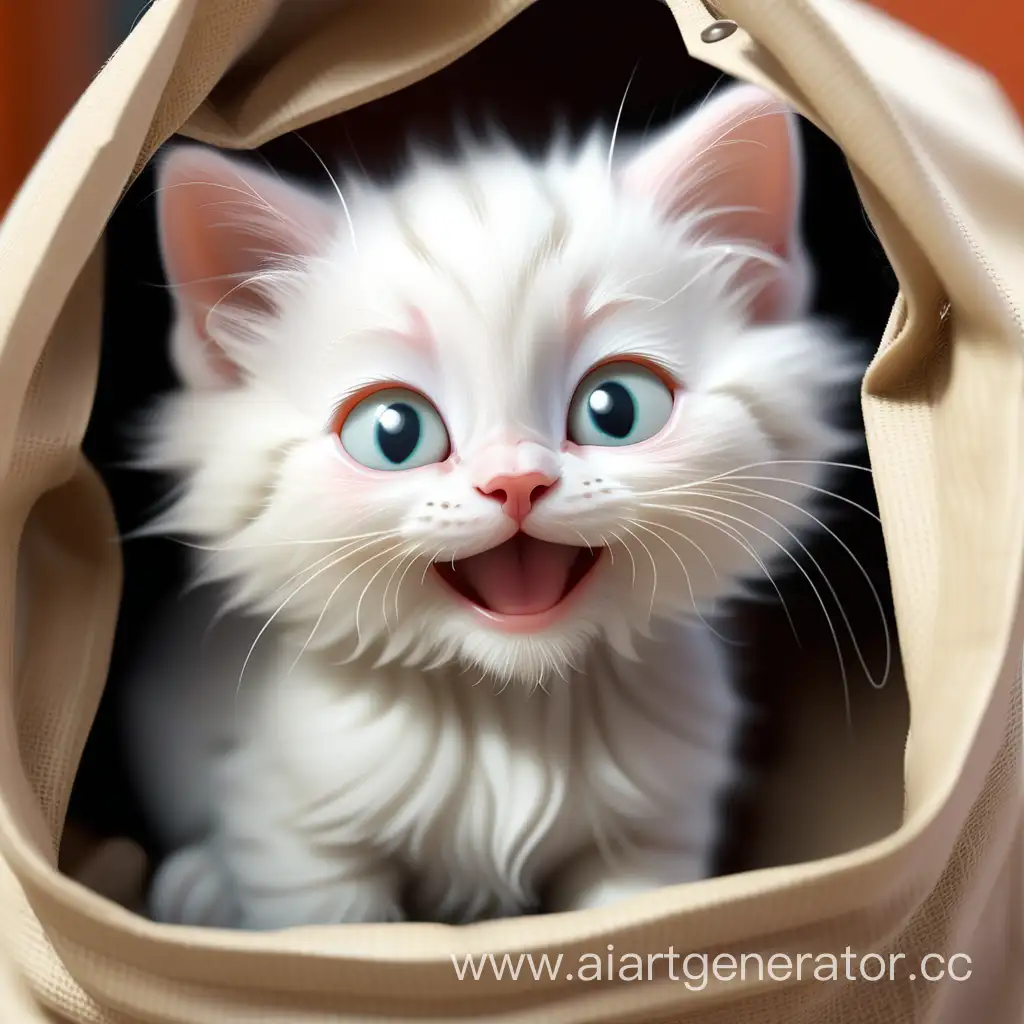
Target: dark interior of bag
[823, 755]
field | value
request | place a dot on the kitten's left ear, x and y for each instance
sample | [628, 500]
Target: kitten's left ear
[222, 222]
[737, 163]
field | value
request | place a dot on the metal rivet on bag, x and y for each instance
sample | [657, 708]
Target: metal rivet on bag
[717, 31]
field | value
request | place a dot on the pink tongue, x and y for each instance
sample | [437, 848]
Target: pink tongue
[520, 577]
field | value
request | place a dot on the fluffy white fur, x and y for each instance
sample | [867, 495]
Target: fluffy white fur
[384, 753]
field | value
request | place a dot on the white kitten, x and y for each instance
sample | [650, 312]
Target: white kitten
[478, 450]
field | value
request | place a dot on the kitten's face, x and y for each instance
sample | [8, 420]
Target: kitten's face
[506, 408]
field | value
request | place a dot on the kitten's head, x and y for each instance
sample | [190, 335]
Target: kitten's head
[507, 407]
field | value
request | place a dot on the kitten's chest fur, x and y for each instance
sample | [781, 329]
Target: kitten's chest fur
[479, 793]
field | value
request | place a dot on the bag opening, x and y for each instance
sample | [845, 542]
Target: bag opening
[826, 777]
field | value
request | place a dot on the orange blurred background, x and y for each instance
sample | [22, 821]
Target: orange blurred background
[49, 50]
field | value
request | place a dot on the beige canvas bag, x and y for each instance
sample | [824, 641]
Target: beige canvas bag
[938, 157]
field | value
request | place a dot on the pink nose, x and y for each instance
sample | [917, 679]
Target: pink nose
[517, 492]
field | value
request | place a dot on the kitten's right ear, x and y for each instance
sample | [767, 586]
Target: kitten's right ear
[737, 160]
[221, 222]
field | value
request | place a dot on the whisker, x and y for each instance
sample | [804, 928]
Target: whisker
[409, 555]
[824, 608]
[342, 550]
[609, 549]
[828, 583]
[733, 534]
[346, 549]
[794, 462]
[689, 540]
[401, 579]
[337, 189]
[426, 568]
[317, 542]
[860, 567]
[330, 598]
[632, 560]
[369, 583]
[585, 541]
[726, 479]
[689, 585]
[735, 470]
[277, 611]
[618, 118]
[654, 568]
[807, 487]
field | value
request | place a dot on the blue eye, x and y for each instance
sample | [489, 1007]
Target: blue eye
[619, 404]
[395, 429]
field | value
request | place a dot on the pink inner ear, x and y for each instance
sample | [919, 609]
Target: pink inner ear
[736, 163]
[221, 221]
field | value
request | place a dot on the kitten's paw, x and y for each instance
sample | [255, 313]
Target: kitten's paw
[605, 891]
[593, 883]
[192, 887]
[371, 900]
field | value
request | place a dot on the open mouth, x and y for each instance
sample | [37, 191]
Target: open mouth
[523, 582]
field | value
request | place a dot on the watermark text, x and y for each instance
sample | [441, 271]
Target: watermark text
[697, 970]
